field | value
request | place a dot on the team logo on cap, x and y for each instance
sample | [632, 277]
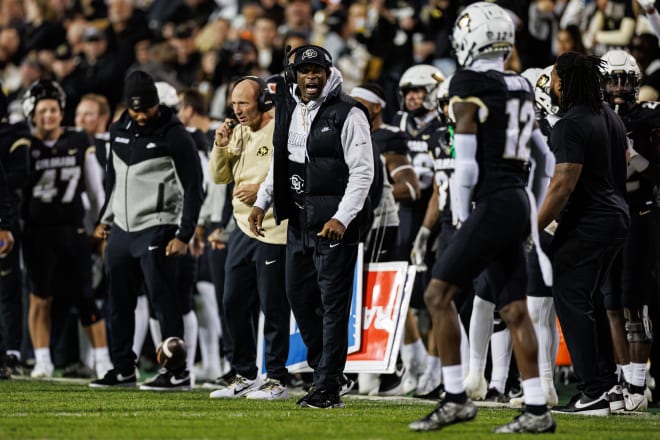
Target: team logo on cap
[309, 53]
[135, 101]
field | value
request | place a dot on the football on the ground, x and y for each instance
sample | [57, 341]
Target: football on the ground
[171, 353]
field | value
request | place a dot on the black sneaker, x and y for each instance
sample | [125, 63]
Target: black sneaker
[310, 391]
[168, 381]
[528, 422]
[445, 414]
[14, 366]
[495, 396]
[114, 378]
[222, 381]
[322, 399]
[584, 405]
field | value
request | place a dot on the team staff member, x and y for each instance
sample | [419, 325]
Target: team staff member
[589, 191]
[242, 154]
[321, 174]
[154, 194]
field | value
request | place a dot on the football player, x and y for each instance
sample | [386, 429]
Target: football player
[56, 248]
[495, 136]
[633, 284]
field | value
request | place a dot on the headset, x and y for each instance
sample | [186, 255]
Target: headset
[290, 71]
[265, 99]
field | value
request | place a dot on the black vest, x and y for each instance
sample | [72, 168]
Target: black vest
[326, 172]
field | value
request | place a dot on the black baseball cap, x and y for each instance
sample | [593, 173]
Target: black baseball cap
[311, 54]
[140, 91]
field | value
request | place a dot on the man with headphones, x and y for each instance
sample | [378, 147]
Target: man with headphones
[254, 271]
[322, 171]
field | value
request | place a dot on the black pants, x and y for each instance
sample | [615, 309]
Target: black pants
[319, 283]
[254, 272]
[11, 305]
[580, 267]
[216, 260]
[132, 258]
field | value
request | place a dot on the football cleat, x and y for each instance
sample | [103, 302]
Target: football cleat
[445, 414]
[528, 422]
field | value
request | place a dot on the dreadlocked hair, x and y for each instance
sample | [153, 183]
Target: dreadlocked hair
[581, 81]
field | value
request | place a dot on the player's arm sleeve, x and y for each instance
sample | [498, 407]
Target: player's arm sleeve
[94, 180]
[544, 167]
[359, 157]
[465, 176]
[189, 171]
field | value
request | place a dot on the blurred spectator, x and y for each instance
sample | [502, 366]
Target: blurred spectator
[93, 116]
[273, 9]
[298, 17]
[164, 15]
[611, 27]
[188, 58]
[12, 12]
[162, 64]
[244, 22]
[10, 74]
[570, 40]
[43, 32]
[99, 65]
[546, 18]
[268, 43]
[438, 20]
[69, 74]
[31, 71]
[213, 35]
[645, 49]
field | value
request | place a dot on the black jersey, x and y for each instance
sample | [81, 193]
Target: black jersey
[597, 209]
[102, 145]
[507, 118]
[14, 169]
[57, 180]
[420, 143]
[640, 122]
[444, 164]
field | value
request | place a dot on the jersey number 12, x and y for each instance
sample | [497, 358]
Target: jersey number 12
[519, 129]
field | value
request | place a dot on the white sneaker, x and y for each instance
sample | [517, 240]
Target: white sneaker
[636, 402]
[102, 367]
[42, 370]
[550, 393]
[272, 389]
[409, 382]
[429, 381]
[368, 384]
[238, 387]
[476, 386]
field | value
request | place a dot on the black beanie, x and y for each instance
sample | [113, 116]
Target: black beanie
[140, 91]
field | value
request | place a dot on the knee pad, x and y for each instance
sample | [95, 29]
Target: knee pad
[638, 325]
[89, 312]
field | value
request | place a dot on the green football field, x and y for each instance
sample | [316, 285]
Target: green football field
[42, 409]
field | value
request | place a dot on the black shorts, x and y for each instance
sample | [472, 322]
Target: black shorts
[58, 261]
[631, 280]
[491, 239]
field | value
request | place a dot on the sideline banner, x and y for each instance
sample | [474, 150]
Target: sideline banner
[375, 331]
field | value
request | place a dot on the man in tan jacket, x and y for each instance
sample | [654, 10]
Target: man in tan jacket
[254, 272]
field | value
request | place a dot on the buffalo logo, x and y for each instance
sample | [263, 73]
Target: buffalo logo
[464, 22]
[136, 101]
[297, 184]
[309, 53]
[543, 81]
[262, 151]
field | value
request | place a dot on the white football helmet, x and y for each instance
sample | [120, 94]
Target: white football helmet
[167, 94]
[621, 76]
[482, 29]
[443, 95]
[423, 76]
[540, 80]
